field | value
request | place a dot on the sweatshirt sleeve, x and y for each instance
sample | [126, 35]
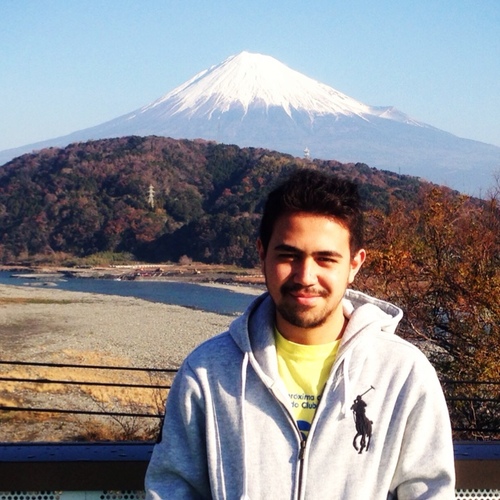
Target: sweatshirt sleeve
[426, 468]
[178, 465]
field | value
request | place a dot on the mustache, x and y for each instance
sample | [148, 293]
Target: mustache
[296, 287]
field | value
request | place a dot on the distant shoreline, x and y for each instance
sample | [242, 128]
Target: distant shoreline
[250, 280]
[47, 278]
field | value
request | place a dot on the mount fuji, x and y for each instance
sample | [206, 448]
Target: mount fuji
[254, 100]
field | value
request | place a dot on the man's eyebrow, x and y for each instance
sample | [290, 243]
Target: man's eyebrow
[287, 248]
[283, 247]
[329, 253]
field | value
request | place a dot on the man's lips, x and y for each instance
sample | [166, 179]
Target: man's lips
[303, 296]
[305, 299]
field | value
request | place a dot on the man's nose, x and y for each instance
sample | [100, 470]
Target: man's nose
[304, 272]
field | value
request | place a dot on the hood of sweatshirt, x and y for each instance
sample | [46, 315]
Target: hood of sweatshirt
[253, 332]
[368, 313]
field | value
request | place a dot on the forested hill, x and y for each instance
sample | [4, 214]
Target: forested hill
[156, 198]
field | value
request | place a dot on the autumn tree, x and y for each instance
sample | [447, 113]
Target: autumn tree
[440, 263]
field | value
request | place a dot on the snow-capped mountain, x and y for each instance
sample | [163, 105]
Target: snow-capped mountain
[253, 80]
[255, 100]
[243, 85]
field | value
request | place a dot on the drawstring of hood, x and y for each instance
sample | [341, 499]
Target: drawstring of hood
[244, 368]
[347, 384]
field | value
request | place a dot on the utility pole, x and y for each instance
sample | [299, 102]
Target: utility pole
[151, 197]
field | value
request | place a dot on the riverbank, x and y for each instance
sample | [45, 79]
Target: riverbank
[48, 324]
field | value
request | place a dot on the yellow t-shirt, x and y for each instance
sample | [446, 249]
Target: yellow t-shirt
[304, 369]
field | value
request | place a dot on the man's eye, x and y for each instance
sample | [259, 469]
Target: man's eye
[328, 260]
[287, 256]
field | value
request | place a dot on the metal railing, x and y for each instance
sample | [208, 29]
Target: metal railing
[474, 405]
[91, 402]
[83, 383]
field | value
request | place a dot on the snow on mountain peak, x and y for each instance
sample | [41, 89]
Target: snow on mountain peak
[255, 79]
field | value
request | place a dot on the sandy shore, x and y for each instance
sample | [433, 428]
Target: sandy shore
[48, 324]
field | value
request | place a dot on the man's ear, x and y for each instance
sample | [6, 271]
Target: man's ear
[262, 253]
[356, 263]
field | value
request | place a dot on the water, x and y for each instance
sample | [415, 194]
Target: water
[212, 299]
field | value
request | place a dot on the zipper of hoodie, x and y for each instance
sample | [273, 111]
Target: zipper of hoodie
[310, 436]
[302, 442]
[302, 451]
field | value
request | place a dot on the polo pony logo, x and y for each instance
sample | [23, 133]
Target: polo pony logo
[363, 424]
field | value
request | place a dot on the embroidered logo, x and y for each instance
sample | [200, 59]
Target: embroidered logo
[363, 424]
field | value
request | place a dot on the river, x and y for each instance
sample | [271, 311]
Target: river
[206, 298]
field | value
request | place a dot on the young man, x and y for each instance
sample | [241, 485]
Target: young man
[310, 394]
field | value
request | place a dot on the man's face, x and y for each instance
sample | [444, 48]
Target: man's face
[308, 267]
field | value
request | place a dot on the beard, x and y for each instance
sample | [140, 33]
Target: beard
[300, 315]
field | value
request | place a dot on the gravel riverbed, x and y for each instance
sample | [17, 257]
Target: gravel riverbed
[49, 325]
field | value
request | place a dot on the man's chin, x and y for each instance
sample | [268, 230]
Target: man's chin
[302, 317]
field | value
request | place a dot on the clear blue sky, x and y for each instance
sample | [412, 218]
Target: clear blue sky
[67, 65]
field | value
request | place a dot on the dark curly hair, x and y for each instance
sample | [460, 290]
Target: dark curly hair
[311, 191]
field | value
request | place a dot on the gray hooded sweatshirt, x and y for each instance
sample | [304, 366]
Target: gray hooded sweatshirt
[381, 429]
